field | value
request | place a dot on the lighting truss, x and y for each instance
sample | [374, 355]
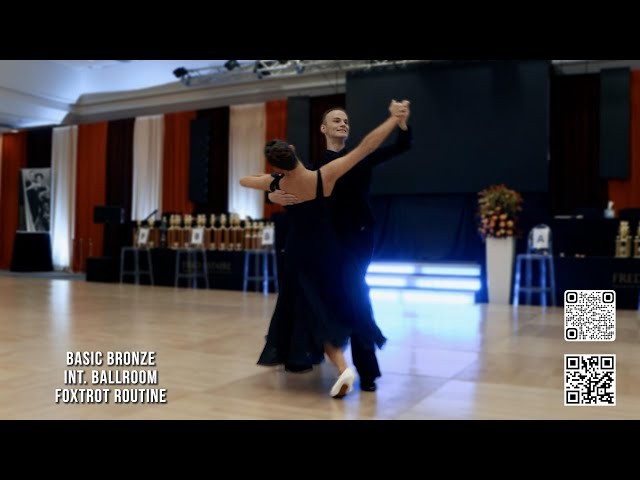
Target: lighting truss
[267, 69]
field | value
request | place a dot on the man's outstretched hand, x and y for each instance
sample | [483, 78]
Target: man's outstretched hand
[403, 123]
[282, 198]
[400, 110]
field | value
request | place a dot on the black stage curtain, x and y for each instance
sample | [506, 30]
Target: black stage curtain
[426, 227]
[31, 252]
[119, 188]
[441, 227]
[39, 148]
[574, 144]
[218, 161]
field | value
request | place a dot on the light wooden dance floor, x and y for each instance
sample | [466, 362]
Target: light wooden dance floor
[441, 362]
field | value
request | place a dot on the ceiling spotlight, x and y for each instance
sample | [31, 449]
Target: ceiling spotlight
[234, 71]
[264, 68]
[231, 64]
[260, 69]
[180, 72]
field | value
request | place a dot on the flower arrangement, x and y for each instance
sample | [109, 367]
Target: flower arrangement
[498, 208]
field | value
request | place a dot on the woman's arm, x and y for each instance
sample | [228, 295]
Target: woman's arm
[260, 181]
[335, 169]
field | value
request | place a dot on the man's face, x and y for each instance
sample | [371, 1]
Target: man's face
[336, 125]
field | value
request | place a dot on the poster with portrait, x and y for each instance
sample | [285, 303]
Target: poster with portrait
[35, 199]
[197, 236]
[143, 237]
[268, 235]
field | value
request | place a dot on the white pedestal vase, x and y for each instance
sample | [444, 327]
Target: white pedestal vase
[500, 257]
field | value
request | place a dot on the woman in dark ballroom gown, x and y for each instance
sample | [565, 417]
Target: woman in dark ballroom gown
[323, 298]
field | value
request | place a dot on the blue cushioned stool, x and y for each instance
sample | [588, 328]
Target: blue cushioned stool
[539, 250]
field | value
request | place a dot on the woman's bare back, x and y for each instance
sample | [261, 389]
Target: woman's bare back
[304, 185]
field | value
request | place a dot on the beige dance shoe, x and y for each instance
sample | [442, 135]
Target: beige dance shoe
[344, 384]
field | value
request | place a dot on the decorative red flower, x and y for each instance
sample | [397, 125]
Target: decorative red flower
[498, 207]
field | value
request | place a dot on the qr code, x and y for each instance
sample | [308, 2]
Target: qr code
[590, 380]
[589, 315]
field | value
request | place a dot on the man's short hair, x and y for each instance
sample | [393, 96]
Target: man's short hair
[327, 112]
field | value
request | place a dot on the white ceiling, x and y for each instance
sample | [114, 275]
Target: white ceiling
[44, 92]
[89, 64]
[53, 92]
[37, 93]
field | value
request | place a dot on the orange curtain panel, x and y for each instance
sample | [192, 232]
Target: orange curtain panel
[14, 157]
[91, 186]
[626, 193]
[175, 164]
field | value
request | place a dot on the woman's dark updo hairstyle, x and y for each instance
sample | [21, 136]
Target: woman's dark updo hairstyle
[279, 154]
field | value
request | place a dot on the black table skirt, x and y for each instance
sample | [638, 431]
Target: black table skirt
[31, 252]
[600, 273]
[226, 270]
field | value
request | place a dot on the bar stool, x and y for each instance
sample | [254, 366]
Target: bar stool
[193, 270]
[539, 249]
[137, 270]
[267, 274]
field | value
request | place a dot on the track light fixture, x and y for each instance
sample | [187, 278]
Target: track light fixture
[264, 68]
[231, 64]
[234, 71]
[180, 72]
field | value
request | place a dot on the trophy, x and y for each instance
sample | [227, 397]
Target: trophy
[209, 235]
[237, 234]
[224, 233]
[231, 244]
[623, 241]
[187, 224]
[174, 233]
[163, 232]
[154, 234]
[259, 230]
[636, 243]
[135, 232]
[216, 235]
[254, 235]
[247, 235]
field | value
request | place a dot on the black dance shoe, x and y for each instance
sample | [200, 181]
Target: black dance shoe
[368, 385]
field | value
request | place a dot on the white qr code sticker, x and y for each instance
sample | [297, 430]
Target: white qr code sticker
[589, 315]
[590, 380]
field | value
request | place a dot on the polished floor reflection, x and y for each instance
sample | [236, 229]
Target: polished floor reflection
[441, 361]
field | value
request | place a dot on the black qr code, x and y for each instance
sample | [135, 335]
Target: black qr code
[589, 315]
[590, 380]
